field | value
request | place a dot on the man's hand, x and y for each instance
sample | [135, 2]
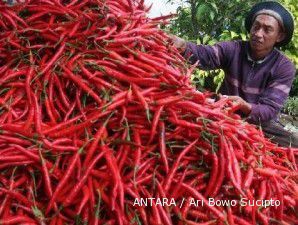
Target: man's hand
[239, 104]
[178, 42]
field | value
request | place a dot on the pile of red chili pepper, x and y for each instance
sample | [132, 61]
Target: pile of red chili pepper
[98, 115]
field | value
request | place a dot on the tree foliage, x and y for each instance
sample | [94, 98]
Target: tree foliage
[210, 21]
[291, 49]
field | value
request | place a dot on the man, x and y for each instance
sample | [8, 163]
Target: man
[258, 77]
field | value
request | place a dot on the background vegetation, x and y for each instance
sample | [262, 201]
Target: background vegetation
[211, 21]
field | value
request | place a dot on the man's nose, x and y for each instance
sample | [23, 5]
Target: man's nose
[259, 33]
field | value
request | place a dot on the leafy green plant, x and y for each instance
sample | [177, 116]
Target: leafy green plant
[294, 89]
[291, 50]
[291, 106]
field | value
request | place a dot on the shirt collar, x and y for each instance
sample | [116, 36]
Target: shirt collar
[254, 61]
[249, 58]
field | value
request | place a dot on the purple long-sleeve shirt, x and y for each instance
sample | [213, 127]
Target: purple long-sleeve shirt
[264, 84]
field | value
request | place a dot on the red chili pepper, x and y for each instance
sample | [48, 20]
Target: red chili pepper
[139, 81]
[62, 125]
[168, 100]
[86, 123]
[213, 175]
[78, 186]
[280, 209]
[142, 100]
[173, 169]
[17, 220]
[84, 200]
[98, 136]
[54, 59]
[61, 93]
[38, 117]
[156, 118]
[82, 85]
[198, 196]
[240, 221]
[202, 223]
[46, 176]
[107, 35]
[9, 76]
[94, 77]
[10, 19]
[156, 215]
[17, 196]
[64, 179]
[162, 146]
[235, 164]
[229, 169]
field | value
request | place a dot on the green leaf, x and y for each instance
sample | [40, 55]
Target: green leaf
[214, 6]
[201, 12]
[212, 41]
[243, 36]
[205, 39]
[233, 34]
[212, 15]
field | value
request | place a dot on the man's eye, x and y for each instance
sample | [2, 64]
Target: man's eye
[256, 27]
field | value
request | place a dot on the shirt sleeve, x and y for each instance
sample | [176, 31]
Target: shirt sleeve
[273, 98]
[213, 57]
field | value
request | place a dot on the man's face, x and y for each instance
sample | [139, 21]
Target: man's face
[265, 33]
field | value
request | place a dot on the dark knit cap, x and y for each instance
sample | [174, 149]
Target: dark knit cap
[284, 14]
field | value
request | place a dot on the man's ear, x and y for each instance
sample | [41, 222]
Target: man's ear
[281, 36]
